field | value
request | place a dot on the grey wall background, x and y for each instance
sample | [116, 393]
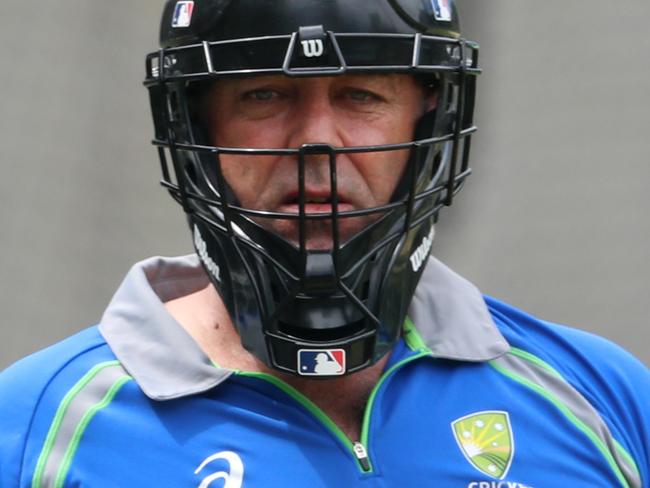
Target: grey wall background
[554, 220]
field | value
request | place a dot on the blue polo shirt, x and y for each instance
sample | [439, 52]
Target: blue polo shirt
[476, 395]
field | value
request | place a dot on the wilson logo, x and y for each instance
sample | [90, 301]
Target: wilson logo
[313, 48]
[421, 254]
[231, 479]
[202, 251]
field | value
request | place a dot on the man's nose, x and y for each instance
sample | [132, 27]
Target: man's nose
[314, 120]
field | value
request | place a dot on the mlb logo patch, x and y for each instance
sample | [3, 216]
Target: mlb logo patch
[182, 14]
[321, 362]
[442, 9]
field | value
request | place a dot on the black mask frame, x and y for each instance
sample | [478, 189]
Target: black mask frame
[286, 280]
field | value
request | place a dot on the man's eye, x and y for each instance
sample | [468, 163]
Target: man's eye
[260, 94]
[362, 96]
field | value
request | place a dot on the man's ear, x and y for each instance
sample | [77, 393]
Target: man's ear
[430, 101]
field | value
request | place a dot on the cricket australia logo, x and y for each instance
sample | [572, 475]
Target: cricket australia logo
[485, 438]
[232, 478]
[312, 48]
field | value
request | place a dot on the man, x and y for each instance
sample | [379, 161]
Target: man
[313, 343]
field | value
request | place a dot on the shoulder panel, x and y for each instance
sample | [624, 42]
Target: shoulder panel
[31, 391]
[609, 379]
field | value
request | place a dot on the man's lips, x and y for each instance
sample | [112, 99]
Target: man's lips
[314, 207]
[315, 202]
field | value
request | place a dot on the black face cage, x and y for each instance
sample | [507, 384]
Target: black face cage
[284, 298]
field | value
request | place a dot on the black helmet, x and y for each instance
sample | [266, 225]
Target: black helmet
[293, 305]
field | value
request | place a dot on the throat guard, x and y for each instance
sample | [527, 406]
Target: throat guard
[304, 311]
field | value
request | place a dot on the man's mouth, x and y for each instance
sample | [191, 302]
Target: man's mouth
[318, 207]
[314, 205]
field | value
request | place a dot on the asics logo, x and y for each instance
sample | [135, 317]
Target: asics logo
[312, 48]
[231, 478]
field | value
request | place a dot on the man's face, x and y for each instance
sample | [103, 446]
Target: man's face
[281, 112]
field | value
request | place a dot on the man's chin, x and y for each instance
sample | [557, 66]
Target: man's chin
[320, 234]
[323, 242]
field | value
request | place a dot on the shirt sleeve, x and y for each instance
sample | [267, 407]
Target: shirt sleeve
[20, 390]
[618, 385]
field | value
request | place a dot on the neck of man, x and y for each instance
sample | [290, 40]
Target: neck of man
[204, 316]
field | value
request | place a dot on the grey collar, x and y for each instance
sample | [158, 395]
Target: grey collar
[448, 312]
[452, 318]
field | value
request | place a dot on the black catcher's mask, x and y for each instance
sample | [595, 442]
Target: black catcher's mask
[293, 305]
